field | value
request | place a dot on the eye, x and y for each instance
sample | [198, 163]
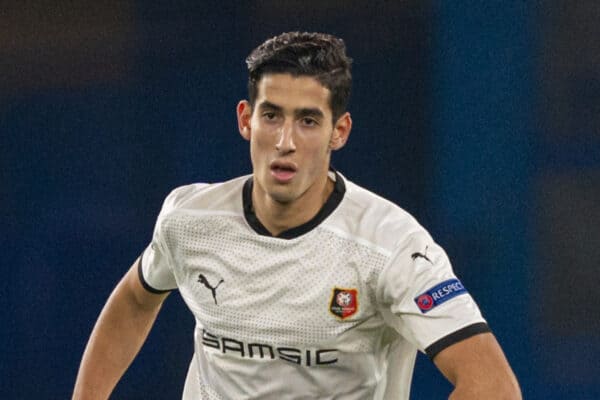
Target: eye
[269, 115]
[307, 121]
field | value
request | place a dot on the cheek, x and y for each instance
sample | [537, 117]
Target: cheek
[321, 147]
[262, 136]
[318, 156]
[254, 152]
[260, 146]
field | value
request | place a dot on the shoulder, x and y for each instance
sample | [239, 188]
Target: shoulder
[205, 196]
[375, 219]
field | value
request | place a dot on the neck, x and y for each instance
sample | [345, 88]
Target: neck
[278, 217]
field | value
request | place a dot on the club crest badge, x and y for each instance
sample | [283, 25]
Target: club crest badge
[344, 302]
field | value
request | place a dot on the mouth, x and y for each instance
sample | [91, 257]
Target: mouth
[283, 171]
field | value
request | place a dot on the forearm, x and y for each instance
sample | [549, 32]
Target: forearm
[119, 333]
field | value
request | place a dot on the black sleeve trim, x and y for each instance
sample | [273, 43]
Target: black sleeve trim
[455, 337]
[143, 281]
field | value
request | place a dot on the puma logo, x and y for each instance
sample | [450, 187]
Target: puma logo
[202, 279]
[414, 256]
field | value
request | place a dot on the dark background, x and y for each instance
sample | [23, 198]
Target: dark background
[483, 121]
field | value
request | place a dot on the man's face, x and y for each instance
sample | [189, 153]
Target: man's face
[291, 136]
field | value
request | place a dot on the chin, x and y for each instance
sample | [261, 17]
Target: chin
[282, 198]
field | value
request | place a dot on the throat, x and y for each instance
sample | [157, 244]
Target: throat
[278, 217]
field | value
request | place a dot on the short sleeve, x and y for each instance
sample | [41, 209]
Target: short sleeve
[423, 300]
[155, 267]
[154, 270]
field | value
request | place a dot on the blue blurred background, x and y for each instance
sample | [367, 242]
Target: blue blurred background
[482, 120]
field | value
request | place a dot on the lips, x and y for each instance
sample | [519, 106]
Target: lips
[283, 171]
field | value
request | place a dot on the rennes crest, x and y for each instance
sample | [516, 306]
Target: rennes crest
[344, 302]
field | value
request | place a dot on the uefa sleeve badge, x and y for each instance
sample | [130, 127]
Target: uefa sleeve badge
[439, 294]
[344, 302]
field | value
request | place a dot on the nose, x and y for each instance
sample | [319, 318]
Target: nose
[285, 144]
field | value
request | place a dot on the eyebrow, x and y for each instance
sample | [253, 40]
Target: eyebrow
[298, 113]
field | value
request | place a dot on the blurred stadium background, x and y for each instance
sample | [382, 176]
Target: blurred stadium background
[483, 120]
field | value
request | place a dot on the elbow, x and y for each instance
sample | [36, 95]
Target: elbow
[513, 392]
[508, 393]
[509, 389]
[506, 390]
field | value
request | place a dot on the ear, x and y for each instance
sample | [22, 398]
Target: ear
[341, 131]
[244, 114]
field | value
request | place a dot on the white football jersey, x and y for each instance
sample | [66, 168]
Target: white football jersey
[333, 309]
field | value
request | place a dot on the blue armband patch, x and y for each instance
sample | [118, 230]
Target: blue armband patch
[439, 294]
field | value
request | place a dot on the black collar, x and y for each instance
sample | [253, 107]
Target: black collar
[331, 204]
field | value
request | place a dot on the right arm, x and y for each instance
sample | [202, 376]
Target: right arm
[120, 332]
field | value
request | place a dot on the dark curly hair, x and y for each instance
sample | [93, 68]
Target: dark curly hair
[317, 55]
